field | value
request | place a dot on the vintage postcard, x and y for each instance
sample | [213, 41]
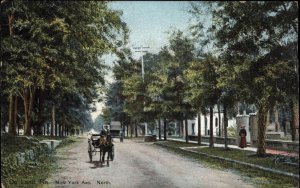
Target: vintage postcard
[149, 94]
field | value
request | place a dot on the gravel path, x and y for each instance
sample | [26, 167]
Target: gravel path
[137, 164]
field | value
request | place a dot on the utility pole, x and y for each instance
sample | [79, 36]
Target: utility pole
[142, 50]
[2, 128]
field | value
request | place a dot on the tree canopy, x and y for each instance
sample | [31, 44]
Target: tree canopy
[57, 46]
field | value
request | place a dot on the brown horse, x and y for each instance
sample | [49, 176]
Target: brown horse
[105, 144]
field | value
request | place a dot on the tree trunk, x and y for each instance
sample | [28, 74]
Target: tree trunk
[10, 25]
[56, 129]
[60, 130]
[205, 124]
[219, 119]
[165, 129]
[64, 125]
[67, 130]
[15, 112]
[123, 129]
[12, 109]
[131, 129]
[48, 129]
[225, 127]
[18, 130]
[12, 115]
[4, 118]
[211, 141]
[40, 120]
[127, 130]
[2, 127]
[295, 118]
[262, 120]
[186, 130]
[53, 120]
[159, 129]
[135, 129]
[181, 128]
[28, 95]
[63, 131]
[26, 124]
[199, 128]
[2, 113]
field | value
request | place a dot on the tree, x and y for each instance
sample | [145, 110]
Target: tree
[134, 93]
[168, 87]
[118, 102]
[203, 91]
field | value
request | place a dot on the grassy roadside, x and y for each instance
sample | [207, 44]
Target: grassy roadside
[50, 137]
[257, 177]
[250, 157]
[68, 142]
[33, 173]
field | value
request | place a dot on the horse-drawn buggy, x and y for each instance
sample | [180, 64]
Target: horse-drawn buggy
[102, 144]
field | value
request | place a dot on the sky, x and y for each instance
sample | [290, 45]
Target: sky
[149, 23]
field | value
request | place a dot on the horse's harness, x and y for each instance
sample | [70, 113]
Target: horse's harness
[103, 141]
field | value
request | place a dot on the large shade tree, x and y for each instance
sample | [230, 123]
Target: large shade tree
[127, 104]
[202, 79]
[169, 84]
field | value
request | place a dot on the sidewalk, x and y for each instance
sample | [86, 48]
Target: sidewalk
[230, 160]
[269, 151]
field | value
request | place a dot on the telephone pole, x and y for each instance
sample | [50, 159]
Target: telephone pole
[142, 50]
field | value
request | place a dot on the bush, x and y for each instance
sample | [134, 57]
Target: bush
[231, 131]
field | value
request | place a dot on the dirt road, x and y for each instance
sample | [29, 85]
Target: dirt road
[137, 164]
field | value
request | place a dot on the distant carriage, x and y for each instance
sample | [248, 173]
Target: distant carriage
[116, 130]
[101, 144]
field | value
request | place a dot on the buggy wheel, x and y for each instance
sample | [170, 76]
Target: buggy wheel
[112, 153]
[90, 152]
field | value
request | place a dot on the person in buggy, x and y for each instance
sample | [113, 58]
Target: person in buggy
[105, 132]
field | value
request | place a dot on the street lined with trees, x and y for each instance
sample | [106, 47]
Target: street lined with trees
[53, 70]
[241, 52]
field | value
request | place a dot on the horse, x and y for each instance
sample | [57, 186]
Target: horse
[105, 145]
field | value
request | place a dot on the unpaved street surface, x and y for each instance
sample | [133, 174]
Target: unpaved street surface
[138, 164]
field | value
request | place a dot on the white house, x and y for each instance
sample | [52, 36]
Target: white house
[218, 130]
[173, 127]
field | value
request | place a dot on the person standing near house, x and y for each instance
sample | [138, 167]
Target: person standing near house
[243, 135]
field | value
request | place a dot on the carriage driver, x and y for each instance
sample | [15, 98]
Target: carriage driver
[104, 131]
